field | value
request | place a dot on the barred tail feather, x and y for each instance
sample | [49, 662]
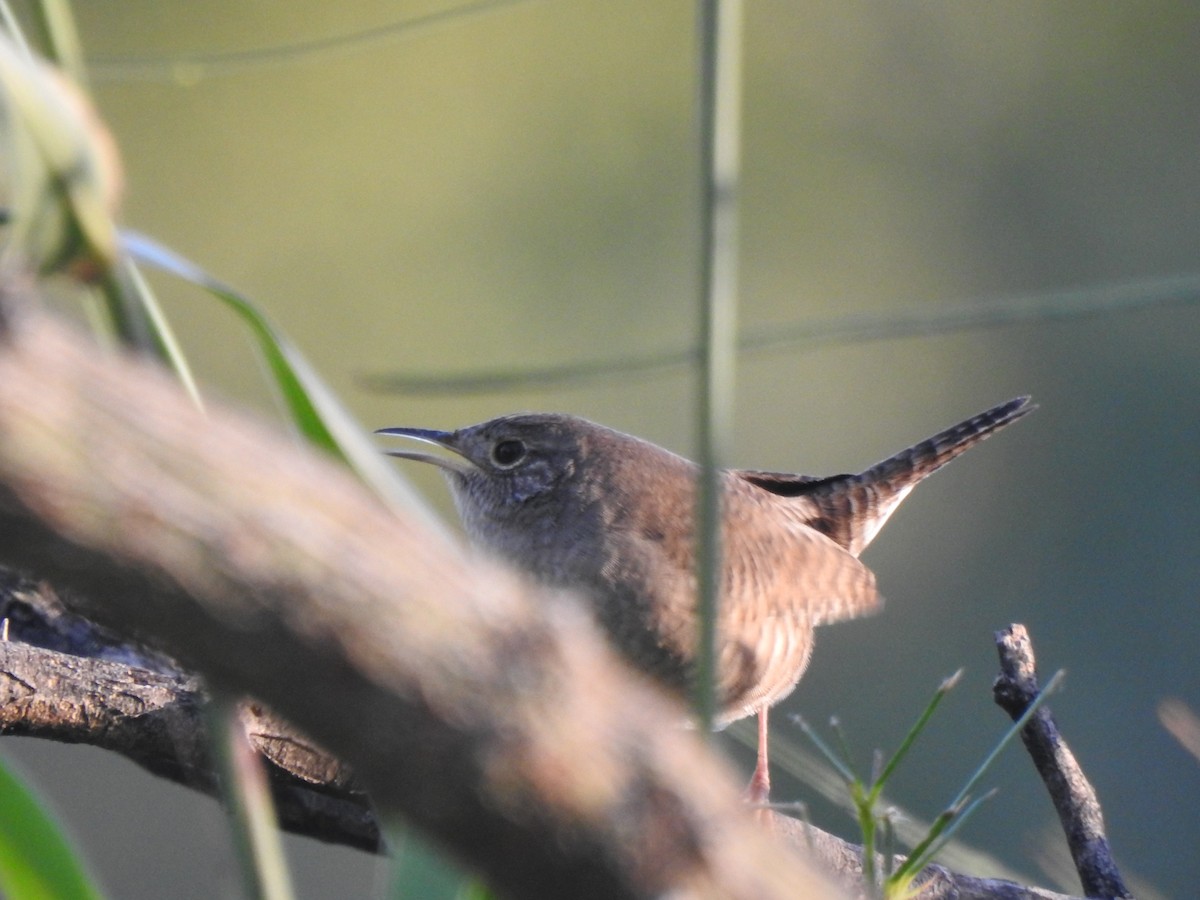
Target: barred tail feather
[850, 509]
[873, 495]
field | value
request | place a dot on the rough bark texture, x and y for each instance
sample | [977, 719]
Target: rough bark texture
[66, 679]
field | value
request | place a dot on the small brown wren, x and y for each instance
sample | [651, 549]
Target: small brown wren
[579, 505]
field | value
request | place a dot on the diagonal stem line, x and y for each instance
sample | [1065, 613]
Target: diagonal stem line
[193, 66]
[922, 321]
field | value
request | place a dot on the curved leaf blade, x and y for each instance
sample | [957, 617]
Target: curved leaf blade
[312, 405]
[36, 859]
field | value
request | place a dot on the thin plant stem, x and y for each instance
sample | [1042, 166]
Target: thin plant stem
[840, 764]
[188, 67]
[910, 738]
[256, 833]
[720, 39]
[59, 37]
[1051, 687]
[979, 314]
[962, 806]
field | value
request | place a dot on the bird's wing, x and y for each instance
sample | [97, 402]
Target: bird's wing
[782, 578]
[824, 504]
[772, 552]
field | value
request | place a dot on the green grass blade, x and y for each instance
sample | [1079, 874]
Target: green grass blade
[719, 111]
[36, 860]
[954, 812]
[841, 765]
[65, 192]
[913, 733]
[866, 827]
[788, 755]
[162, 336]
[924, 854]
[1051, 687]
[61, 214]
[59, 37]
[12, 27]
[312, 405]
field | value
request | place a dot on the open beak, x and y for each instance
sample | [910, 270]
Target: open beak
[445, 439]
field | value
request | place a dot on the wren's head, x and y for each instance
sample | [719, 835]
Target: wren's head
[519, 482]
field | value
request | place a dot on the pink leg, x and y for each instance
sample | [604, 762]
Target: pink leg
[759, 789]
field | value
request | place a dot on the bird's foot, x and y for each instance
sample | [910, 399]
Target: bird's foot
[758, 791]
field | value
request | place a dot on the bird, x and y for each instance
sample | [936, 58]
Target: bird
[576, 504]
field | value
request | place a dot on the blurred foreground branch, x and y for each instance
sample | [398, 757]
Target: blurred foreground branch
[486, 712]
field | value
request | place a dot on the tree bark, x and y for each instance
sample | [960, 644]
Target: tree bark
[65, 679]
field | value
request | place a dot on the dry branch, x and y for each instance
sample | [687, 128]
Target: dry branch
[65, 679]
[1072, 794]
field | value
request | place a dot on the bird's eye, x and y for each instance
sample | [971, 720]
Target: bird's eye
[508, 453]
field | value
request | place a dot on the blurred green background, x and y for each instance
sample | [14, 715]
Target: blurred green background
[517, 188]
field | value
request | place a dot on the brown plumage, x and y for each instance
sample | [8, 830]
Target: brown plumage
[612, 516]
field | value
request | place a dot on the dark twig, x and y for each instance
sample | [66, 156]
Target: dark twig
[66, 679]
[1073, 796]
